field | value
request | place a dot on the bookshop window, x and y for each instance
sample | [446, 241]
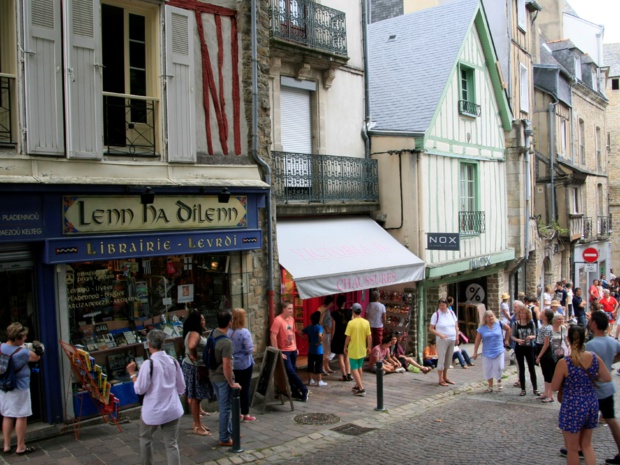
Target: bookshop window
[125, 295]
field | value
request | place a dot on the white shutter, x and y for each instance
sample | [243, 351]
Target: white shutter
[42, 56]
[296, 126]
[83, 79]
[296, 133]
[180, 91]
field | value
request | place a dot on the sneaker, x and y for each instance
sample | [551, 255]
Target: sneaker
[360, 392]
[331, 356]
[400, 370]
[564, 453]
[249, 417]
[304, 396]
[312, 382]
[355, 388]
[616, 459]
[451, 366]
[322, 383]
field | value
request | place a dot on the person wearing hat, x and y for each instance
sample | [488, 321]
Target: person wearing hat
[504, 309]
[556, 306]
[357, 346]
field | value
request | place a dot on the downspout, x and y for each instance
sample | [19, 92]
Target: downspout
[366, 124]
[552, 155]
[264, 165]
[528, 132]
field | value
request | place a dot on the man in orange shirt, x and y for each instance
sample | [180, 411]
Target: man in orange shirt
[282, 337]
[610, 306]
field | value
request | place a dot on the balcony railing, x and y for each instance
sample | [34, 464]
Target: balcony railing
[603, 226]
[469, 108]
[471, 223]
[7, 83]
[587, 228]
[324, 178]
[311, 24]
[129, 124]
[575, 226]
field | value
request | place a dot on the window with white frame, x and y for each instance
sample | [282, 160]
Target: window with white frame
[577, 60]
[576, 200]
[524, 88]
[8, 73]
[521, 15]
[471, 221]
[564, 137]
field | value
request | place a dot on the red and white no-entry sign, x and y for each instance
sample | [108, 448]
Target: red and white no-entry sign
[590, 255]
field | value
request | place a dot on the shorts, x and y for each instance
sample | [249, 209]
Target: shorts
[606, 406]
[315, 363]
[356, 363]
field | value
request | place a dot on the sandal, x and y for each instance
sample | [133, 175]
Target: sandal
[500, 387]
[349, 377]
[343, 378]
[547, 400]
[516, 384]
[536, 393]
[522, 393]
[27, 450]
[204, 414]
[201, 431]
[449, 381]
[444, 384]
[488, 390]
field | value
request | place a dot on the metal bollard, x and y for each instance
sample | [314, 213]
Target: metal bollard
[380, 407]
[236, 421]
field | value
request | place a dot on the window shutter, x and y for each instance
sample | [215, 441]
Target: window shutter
[83, 79]
[180, 90]
[296, 124]
[42, 56]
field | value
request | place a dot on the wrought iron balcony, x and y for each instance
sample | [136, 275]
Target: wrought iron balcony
[469, 108]
[587, 229]
[7, 83]
[603, 226]
[471, 223]
[305, 177]
[308, 23]
[129, 124]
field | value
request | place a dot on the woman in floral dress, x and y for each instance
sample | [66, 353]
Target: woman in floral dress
[576, 375]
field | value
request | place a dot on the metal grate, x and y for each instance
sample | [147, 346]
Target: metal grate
[352, 430]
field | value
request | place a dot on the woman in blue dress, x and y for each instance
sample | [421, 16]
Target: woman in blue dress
[579, 412]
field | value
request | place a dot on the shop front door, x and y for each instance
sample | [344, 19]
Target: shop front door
[18, 303]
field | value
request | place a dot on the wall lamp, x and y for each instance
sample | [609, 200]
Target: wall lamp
[147, 197]
[223, 196]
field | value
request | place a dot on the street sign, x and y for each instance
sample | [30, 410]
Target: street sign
[590, 267]
[590, 255]
[475, 293]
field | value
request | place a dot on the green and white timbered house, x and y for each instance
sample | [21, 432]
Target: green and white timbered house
[440, 117]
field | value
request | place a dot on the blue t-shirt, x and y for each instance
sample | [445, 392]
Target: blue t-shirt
[606, 348]
[492, 340]
[314, 346]
[20, 363]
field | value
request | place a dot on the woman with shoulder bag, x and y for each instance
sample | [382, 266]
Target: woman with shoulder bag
[243, 361]
[196, 374]
[544, 357]
[524, 335]
[559, 338]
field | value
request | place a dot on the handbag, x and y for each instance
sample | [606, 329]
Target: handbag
[559, 352]
[203, 374]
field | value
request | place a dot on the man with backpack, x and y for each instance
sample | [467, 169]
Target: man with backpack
[219, 354]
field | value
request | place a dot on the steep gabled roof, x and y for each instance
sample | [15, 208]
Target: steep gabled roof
[611, 53]
[411, 59]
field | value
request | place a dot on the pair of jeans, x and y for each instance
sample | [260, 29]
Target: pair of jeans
[462, 356]
[223, 391]
[170, 432]
[298, 388]
[244, 378]
[526, 352]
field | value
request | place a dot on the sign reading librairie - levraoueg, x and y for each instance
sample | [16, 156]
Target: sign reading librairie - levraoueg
[105, 214]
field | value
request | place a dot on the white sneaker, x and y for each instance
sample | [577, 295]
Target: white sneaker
[451, 366]
[400, 370]
[312, 382]
[331, 356]
[322, 383]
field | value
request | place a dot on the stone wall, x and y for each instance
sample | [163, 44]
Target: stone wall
[613, 166]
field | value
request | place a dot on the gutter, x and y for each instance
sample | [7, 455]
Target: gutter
[366, 125]
[264, 165]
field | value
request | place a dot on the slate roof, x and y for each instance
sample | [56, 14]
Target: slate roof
[409, 72]
[611, 54]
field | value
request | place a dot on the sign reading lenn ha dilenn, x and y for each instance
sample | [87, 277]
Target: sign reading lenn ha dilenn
[105, 214]
[443, 241]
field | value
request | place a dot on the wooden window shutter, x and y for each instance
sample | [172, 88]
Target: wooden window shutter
[83, 79]
[180, 89]
[42, 57]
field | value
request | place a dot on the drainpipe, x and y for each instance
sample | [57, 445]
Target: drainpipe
[264, 165]
[552, 154]
[528, 132]
[366, 87]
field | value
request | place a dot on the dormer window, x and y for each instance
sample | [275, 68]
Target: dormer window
[578, 67]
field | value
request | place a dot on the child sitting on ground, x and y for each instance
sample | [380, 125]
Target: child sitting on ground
[429, 356]
[408, 363]
[314, 334]
[381, 353]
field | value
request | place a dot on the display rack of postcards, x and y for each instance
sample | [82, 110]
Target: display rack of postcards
[398, 310]
[92, 381]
